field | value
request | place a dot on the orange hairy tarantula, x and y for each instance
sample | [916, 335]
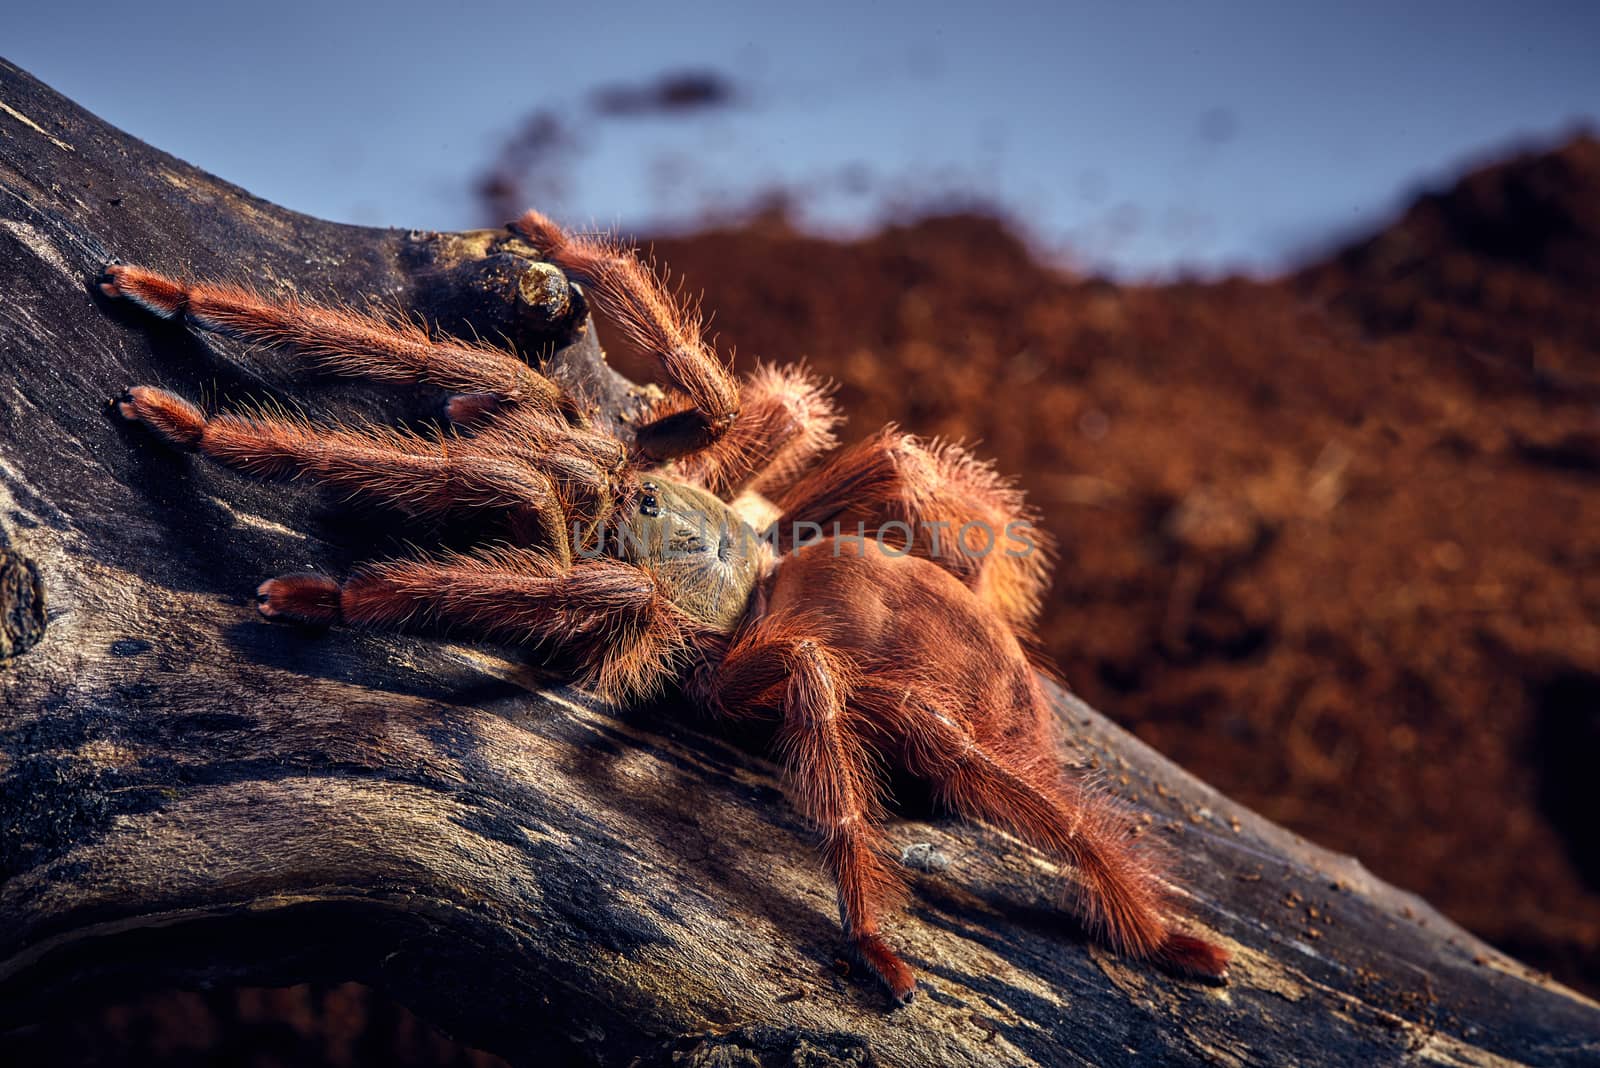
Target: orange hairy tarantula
[898, 642]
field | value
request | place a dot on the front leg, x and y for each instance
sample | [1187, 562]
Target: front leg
[613, 618]
[640, 305]
[343, 341]
[787, 420]
[392, 467]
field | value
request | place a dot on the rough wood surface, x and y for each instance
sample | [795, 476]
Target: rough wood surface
[188, 795]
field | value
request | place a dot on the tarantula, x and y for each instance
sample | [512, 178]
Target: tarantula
[898, 638]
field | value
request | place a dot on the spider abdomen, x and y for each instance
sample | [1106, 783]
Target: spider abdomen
[919, 640]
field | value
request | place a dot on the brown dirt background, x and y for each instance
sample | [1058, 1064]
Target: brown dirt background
[1331, 541]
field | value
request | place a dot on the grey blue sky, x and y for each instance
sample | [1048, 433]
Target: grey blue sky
[1142, 137]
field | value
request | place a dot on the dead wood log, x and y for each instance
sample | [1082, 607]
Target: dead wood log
[190, 796]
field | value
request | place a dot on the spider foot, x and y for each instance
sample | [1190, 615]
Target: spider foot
[876, 954]
[166, 413]
[1194, 958]
[107, 281]
[155, 293]
[304, 598]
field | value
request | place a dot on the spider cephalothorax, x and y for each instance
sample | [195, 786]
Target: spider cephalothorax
[873, 602]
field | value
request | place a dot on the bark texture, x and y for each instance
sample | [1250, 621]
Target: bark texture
[188, 795]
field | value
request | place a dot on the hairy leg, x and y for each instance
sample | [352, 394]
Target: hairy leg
[786, 421]
[1019, 788]
[633, 297]
[830, 775]
[568, 453]
[952, 509]
[624, 632]
[393, 467]
[339, 340]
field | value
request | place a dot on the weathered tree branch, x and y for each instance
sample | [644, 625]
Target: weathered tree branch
[188, 795]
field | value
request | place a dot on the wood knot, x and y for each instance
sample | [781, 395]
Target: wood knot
[21, 604]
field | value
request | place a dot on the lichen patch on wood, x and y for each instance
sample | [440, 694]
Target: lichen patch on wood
[22, 609]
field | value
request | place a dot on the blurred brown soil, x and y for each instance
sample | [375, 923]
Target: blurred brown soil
[1331, 541]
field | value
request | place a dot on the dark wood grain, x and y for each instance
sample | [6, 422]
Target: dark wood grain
[189, 796]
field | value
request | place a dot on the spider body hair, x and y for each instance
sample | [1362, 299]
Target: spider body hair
[678, 555]
[933, 681]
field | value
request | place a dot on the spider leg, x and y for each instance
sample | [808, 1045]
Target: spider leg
[623, 631]
[635, 299]
[829, 772]
[571, 453]
[340, 340]
[1019, 787]
[400, 469]
[786, 421]
[942, 504]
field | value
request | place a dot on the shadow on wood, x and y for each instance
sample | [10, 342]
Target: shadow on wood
[189, 796]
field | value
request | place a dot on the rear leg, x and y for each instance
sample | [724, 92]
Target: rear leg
[942, 503]
[342, 341]
[1120, 896]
